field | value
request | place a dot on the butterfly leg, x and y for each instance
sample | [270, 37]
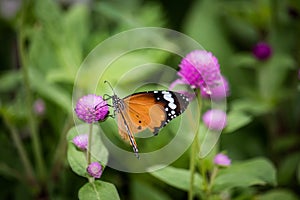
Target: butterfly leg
[106, 97]
[131, 138]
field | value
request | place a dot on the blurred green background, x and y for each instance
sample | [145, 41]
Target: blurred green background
[43, 43]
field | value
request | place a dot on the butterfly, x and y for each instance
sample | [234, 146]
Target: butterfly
[146, 110]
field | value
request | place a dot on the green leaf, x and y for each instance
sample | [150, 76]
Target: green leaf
[269, 82]
[236, 120]
[243, 60]
[278, 194]
[298, 173]
[77, 157]
[253, 106]
[77, 160]
[206, 14]
[10, 81]
[98, 190]
[176, 177]
[50, 91]
[150, 14]
[147, 191]
[69, 52]
[288, 167]
[252, 172]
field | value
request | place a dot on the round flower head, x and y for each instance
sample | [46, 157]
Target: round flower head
[94, 170]
[200, 69]
[81, 141]
[215, 119]
[39, 107]
[222, 160]
[218, 92]
[262, 51]
[91, 108]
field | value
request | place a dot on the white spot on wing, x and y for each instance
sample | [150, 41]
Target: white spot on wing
[169, 98]
[172, 105]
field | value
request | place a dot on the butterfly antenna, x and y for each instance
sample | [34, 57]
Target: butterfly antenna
[110, 86]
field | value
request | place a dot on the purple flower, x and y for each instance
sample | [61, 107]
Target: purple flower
[39, 107]
[215, 119]
[218, 92]
[91, 108]
[200, 69]
[81, 141]
[9, 8]
[94, 169]
[222, 160]
[262, 51]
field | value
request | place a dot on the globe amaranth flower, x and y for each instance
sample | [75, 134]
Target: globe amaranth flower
[81, 141]
[39, 107]
[222, 160]
[215, 119]
[91, 108]
[218, 92]
[94, 169]
[200, 69]
[262, 51]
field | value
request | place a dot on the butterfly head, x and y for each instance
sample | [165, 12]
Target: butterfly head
[116, 101]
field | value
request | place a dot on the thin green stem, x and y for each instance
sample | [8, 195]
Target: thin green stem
[194, 152]
[59, 155]
[192, 168]
[5, 169]
[21, 151]
[212, 178]
[89, 149]
[202, 169]
[31, 117]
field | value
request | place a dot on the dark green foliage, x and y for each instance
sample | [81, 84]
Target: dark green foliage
[43, 45]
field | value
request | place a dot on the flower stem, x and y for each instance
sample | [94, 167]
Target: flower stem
[21, 151]
[60, 152]
[31, 117]
[212, 178]
[5, 169]
[203, 171]
[192, 168]
[194, 152]
[89, 149]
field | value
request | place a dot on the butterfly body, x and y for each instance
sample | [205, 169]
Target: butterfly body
[147, 110]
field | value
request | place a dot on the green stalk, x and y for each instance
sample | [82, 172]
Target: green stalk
[194, 152]
[192, 168]
[31, 117]
[212, 178]
[5, 169]
[203, 170]
[89, 149]
[21, 151]
[60, 152]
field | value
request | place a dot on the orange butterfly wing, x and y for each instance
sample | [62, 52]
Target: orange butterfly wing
[140, 112]
[152, 110]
